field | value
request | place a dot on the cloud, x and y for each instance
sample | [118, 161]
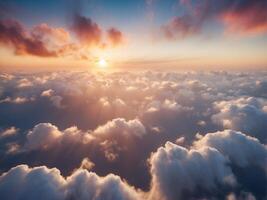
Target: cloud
[44, 40]
[120, 128]
[44, 32]
[43, 136]
[241, 149]
[111, 138]
[115, 36]
[238, 16]
[55, 99]
[27, 183]
[44, 183]
[47, 93]
[178, 173]
[87, 185]
[8, 132]
[242, 196]
[245, 114]
[180, 27]
[86, 164]
[46, 135]
[87, 31]
[107, 117]
[248, 158]
[246, 17]
[14, 34]
[17, 100]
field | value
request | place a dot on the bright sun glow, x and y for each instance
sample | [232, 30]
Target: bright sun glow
[102, 63]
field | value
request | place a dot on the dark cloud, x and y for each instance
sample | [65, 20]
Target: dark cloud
[46, 41]
[87, 31]
[238, 16]
[13, 33]
[115, 36]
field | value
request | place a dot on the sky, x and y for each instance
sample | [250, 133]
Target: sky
[133, 100]
[142, 34]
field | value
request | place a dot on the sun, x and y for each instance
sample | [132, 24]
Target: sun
[102, 63]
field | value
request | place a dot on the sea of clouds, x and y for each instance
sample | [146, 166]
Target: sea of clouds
[133, 135]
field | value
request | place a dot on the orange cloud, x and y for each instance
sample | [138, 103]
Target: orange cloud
[248, 21]
[115, 36]
[46, 41]
[239, 16]
[45, 32]
[12, 33]
[87, 31]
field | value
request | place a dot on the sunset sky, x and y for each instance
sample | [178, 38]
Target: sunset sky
[146, 34]
[133, 99]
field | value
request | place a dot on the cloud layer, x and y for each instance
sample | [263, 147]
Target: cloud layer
[166, 135]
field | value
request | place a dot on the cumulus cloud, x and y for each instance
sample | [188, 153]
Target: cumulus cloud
[84, 185]
[120, 128]
[241, 149]
[46, 135]
[246, 114]
[42, 136]
[45, 183]
[111, 138]
[248, 158]
[178, 172]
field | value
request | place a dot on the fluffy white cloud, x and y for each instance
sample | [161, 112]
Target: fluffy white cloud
[117, 133]
[22, 182]
[241, 149]
[46, 135]
[43, 136]
[120, 128]
[243, 114]
[85, 185]
[178, 173]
